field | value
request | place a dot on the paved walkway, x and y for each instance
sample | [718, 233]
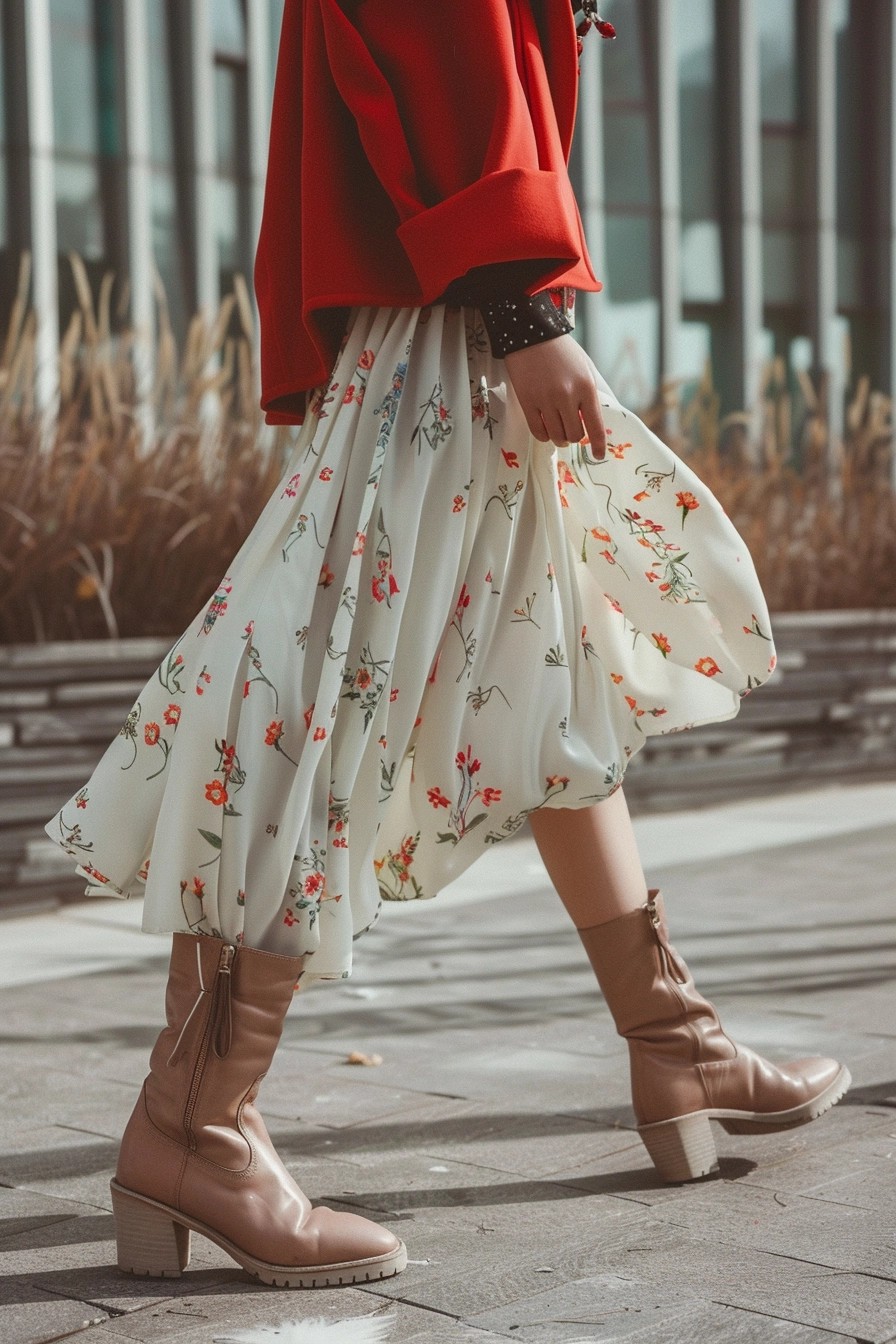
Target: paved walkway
[496, 1136]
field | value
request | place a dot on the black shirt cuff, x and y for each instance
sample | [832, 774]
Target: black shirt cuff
[523, 320]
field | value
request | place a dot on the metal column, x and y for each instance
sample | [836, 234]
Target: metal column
[744, 213]
[43, 206]
[138, 152]
[822, 110]
[590, 132]
[668, 133]
[204, 158]
[260, 77]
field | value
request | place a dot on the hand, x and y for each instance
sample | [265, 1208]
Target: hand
[555, 384]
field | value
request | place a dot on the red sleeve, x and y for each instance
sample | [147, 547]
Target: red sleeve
[455, 116]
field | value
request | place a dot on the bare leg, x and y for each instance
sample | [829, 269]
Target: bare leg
[591, 856]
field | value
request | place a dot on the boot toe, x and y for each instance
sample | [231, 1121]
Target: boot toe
[346, 1237]
[817, 1073]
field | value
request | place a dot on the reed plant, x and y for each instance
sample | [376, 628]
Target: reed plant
[119, 513]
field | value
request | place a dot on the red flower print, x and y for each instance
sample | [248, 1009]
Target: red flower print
[462, 601]
[227, 759]
[172, 715]
[366, 360]
[360, 538]
[363, 678]
[609, 557]
[289, 919]
[393, 694]
[151, 734]
[241, 897]
[179, 659]
[417, 721]
[616, 677]
[708, 666]
[246, 685]
[443, 411]
[642, 494]
[687, 503]
[490, 796]
[393, 585]
[326, 576]
[198, 887]
[274, 733]
[313, 882]
[473, 766]
[662, 644]
[511, 459]
[459, 503]
[319, 734]
[349, 394]
[325, 474]
[376, 588]
[600, 535]
[307, 716]
[631, 702]
[215, 792]
[554, 780]
[289, 490]
[564, 474]
[437, 798]
[618, 449]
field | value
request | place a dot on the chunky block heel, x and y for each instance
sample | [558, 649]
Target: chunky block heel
[681, 1149]
[149, 1241]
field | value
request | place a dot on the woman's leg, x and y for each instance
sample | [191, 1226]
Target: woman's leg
[591, 856]
[685, 1070]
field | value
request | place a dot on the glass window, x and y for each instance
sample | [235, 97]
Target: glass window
[170, 148]
[75, 104]
[87, 113]
[229, 27]
[862, 172]
[628, 329]
[233, 204]
[785, 206]
[778, 63]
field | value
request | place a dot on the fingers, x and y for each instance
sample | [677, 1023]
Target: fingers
[593, 420]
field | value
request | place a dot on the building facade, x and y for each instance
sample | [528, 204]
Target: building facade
[734, 161]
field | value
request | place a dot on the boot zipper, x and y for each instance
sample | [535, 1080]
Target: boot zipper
[225, 961]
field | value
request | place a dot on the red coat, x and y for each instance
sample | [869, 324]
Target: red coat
[410, 141]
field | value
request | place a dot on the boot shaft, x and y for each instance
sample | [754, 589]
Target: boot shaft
[648, 987]
[225, 1009]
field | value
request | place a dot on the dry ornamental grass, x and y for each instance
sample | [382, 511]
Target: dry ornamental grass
[110, 526]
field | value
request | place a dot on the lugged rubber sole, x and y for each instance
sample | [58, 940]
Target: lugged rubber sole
[683, 1148]
[154, 1241]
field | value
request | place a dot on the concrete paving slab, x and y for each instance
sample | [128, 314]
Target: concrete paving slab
[43, 1316]
[496, 1137]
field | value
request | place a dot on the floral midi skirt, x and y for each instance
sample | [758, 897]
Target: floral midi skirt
[437, 625]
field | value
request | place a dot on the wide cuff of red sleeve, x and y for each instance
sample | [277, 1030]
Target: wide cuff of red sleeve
[514, 215]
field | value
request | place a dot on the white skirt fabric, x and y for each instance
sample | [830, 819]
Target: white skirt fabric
[437, 625]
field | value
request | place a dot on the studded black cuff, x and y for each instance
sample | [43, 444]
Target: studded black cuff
[526, 319]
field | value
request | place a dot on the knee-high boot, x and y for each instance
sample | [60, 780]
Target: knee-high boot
[196, 1154]
[685, 1070]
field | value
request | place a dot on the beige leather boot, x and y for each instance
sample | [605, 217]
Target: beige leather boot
[196, 1153]
[685, 1071]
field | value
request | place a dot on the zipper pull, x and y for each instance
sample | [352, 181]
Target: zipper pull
[222, 1016]
[673, 963]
